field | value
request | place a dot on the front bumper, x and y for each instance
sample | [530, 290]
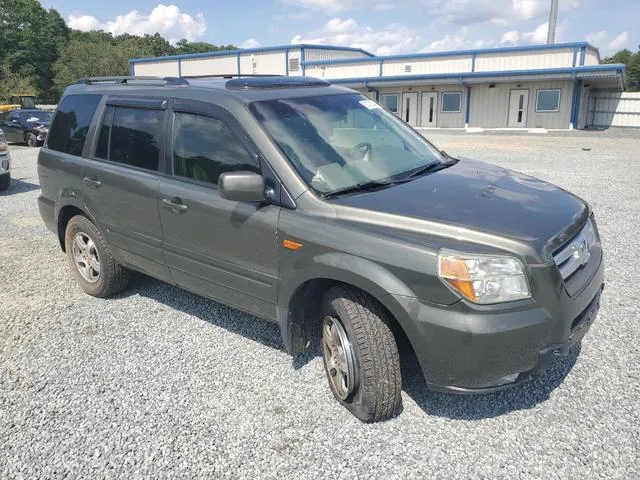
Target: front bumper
[465, 348]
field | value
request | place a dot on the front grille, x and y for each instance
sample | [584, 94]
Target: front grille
[577, 252]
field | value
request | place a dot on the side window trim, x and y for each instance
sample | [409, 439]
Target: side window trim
[214, 111]
[136, 102]
[211, 115]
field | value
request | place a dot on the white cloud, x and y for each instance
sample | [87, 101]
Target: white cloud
[597, 38]
[390, 40]
[510, 37]
[167, 20]
[449, 42]
[250, 43]
[84, 23]
[620, 41]
[496, 12]
[538, 36]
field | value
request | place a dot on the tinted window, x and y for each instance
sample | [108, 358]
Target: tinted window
[451, 102]
[391, 102]
[548, 101]
[131, 136]
[71, 123]
[204, 148]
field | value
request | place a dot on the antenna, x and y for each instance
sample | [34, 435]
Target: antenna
[553, 21]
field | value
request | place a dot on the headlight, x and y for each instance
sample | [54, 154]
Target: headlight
[484, 279]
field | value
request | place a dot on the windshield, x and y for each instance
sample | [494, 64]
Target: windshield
[36, 117]
[340, 141]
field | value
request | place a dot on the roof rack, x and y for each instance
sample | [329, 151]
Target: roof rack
[233, 75]
[275, 82]
[133, 80]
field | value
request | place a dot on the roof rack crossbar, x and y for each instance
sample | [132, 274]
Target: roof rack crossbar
[133, 80]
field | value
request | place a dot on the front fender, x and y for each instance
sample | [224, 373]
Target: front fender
[359, 272]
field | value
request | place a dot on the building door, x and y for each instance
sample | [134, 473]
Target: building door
[518, 104]
[410, 108]
[429, 109]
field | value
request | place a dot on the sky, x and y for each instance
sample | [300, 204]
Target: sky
[383, 27]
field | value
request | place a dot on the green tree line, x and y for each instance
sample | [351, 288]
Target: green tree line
[632, 61]
[40, 55]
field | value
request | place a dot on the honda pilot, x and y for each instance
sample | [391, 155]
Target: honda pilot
[312, 206]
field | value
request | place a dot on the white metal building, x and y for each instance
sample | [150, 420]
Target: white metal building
[541, 86]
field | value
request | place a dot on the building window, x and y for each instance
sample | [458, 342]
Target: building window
[390, 101]
[548, 100]
[451, 102]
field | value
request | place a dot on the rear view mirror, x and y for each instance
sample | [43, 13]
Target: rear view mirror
[241, 186]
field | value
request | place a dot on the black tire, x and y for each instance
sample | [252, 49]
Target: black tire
[31, 139]
[376, 394]
[112, 277]
[5, 181]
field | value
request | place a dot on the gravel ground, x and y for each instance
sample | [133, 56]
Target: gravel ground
[161, 383]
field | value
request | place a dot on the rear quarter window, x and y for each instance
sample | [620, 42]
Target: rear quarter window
[71, 123]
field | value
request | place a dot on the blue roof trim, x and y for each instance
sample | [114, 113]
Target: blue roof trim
[458, 53]
[459, 77]
[249, 50]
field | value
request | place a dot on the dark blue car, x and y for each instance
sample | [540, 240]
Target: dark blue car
[28, 126]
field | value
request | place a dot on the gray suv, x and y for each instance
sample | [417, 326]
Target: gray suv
[312, 206]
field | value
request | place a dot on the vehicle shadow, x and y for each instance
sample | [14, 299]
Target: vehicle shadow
[20, 186]
[456, 407]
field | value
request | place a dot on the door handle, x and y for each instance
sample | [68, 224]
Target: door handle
[175, 205]
[92, 181]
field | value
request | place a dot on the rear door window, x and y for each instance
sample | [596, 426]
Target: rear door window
[71, 123]
[131, 136]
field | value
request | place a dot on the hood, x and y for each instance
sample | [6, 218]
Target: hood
[484, 198]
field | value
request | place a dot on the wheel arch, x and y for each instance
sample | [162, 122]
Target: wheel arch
[300, 300]
[66, 213]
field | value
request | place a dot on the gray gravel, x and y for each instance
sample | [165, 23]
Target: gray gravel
[161, 383]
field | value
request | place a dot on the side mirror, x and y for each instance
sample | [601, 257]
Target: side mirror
[241, 186]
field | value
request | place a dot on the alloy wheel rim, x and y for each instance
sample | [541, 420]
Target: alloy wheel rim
[86, 257]
[338, 357]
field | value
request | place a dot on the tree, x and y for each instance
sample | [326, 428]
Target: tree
[88, 59]
[185, 47]
[14, 84]
[30, 41]
[632, 62]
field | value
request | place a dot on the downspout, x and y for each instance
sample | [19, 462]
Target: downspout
[376, 91]
[467, 113]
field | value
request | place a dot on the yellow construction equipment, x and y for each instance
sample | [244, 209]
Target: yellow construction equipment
[15, 101]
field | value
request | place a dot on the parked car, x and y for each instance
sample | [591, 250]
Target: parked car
[5, 164]
[314, 207]
[28, 126]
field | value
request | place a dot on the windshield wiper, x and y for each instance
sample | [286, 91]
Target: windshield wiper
[431, 167]
[360, 187]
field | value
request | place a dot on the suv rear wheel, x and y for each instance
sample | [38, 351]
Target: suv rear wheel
[360, 355]
[92, 264]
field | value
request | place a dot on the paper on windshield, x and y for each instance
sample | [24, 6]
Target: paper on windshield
[370, 104]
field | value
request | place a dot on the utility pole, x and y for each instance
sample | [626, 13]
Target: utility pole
[553, 21]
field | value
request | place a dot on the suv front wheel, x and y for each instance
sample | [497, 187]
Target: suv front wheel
[91, 261]
[360, 355]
